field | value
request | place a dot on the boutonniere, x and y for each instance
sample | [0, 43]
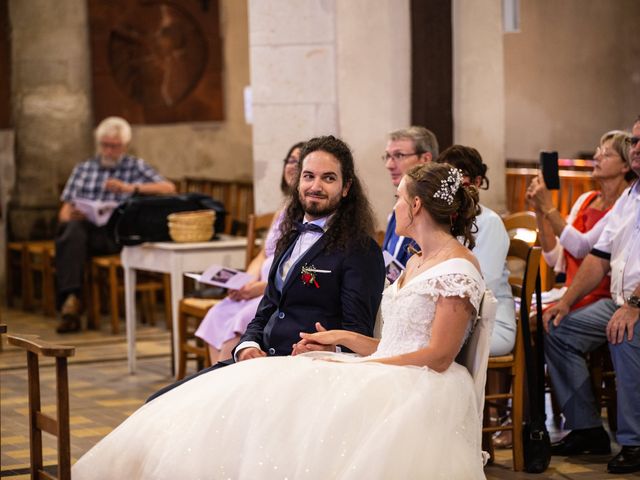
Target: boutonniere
[308, 275]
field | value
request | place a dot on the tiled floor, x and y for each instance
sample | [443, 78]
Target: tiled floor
[102, 394]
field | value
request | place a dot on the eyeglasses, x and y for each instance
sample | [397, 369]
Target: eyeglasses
[397, 156]
[633, 141]
[291, 161]
[113, 146]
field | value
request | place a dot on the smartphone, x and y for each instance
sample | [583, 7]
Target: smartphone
[549, 167]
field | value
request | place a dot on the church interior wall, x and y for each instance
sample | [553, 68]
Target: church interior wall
[571, 74]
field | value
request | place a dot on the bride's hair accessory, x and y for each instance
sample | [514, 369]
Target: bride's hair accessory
[449, 186]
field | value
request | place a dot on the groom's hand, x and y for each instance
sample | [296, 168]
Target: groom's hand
[249, 352]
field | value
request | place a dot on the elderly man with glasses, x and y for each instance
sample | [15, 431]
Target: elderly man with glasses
[93, 189]
[571, 335]
[406, 148]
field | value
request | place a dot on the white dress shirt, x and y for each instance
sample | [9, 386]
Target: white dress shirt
[620, 243]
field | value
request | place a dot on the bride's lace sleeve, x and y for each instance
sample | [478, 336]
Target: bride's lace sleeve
[453, 285]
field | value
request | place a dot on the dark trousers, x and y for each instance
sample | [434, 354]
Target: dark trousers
[77, 241]
[170, 387]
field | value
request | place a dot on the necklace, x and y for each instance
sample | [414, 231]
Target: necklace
[424, 260]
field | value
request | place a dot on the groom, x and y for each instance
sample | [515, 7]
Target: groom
[327, 268]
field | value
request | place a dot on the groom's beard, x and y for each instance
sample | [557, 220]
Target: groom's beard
[110, 162]
[319, 204]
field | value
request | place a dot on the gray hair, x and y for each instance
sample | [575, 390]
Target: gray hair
[424, 140]
[114, 127]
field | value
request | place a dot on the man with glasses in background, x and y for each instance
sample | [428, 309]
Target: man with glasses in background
[406, 148]
[94, 188]
[571, 335]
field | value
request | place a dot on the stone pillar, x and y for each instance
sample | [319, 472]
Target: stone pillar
[478, 89]
[51, 106]
[323, 67]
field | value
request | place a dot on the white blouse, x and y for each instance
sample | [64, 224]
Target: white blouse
[577, 243]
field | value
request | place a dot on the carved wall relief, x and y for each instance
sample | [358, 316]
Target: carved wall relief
[156, 61]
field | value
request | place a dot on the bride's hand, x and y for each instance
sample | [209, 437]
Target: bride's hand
[323, 340]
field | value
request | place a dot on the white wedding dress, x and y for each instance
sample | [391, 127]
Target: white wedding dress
[303, 418]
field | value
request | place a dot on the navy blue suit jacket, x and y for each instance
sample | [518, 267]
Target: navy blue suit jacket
[390, 241]
[347, 298]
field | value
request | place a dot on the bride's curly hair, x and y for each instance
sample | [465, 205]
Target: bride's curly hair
[431, 183]
[352, 224]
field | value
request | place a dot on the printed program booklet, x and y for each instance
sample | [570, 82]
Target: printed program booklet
[96, 211]
[224, 277]
[393, 267]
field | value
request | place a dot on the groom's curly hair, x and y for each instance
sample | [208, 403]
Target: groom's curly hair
[352, 222]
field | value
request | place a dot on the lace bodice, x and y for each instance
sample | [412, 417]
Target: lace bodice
[408, 312]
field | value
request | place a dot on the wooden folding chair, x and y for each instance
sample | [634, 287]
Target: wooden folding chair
[38, 421]
[514, 363]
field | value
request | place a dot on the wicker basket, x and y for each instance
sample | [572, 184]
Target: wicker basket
[194, 226]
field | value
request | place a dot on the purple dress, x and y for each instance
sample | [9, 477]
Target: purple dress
[229, 318]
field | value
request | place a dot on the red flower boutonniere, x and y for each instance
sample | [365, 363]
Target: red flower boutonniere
[308, 275]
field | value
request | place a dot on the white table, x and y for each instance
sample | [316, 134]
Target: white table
[174, 259]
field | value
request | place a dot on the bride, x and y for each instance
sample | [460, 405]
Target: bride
[401, 409]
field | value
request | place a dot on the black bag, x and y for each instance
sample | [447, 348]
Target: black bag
[536, 441]
[144, 218]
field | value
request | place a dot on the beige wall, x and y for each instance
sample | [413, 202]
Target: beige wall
[374, 86]
[478, 88]
[572, 73]
[321, 67]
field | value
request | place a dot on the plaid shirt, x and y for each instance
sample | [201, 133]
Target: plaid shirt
[88, 178]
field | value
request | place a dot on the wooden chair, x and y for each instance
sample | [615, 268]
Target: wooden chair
[15, 268]
[27, 260]
[514, 363]
[112, 265]
[191, 347]
[257, 226]
[192, 311]
[522, 225]
[40, 258]
[38, 421]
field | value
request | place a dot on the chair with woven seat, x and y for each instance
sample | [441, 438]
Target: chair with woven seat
[192, 311]
[149, 287]
[514, 363]
[39, 421]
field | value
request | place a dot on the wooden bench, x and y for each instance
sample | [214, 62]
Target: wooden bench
[575, 179]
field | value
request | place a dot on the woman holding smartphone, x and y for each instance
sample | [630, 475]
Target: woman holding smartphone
[566, 242]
